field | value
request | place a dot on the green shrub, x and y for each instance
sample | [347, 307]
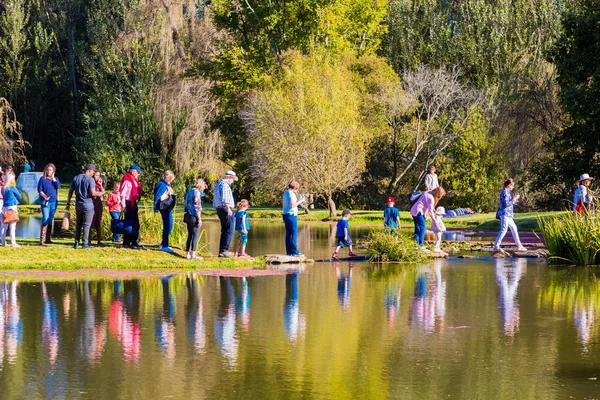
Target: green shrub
[384, 247]
[574, 239]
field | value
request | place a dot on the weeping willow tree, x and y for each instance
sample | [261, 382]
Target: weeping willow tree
[11, 140]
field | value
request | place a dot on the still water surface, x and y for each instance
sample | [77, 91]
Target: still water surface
[466, 329]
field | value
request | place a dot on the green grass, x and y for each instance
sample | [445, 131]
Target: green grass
[572, 239]
[384, 247]
[61, 256]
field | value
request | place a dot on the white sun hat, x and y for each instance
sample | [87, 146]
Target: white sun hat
[440, 211]
[585, 177]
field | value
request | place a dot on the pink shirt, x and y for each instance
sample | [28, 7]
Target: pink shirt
[424, 205]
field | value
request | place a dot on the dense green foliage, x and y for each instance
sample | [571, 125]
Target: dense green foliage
[572, 239]
[170, 84]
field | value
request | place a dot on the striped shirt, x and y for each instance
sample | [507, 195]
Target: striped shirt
[222, 195]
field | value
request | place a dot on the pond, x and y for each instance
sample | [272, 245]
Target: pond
[468, 329]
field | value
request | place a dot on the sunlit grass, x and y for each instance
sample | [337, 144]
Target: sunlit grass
[572, 239]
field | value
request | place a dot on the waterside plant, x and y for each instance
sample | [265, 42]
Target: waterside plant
[390, 247]
[572, 239]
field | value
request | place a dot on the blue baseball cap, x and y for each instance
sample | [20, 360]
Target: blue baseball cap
[136, 167]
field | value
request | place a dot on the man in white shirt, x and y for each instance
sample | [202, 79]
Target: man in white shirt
[431, 179]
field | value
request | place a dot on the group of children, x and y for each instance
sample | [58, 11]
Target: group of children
[391, 223]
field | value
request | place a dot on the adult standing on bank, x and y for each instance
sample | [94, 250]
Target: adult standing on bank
[192, 217]
[48, 186]
[431, 179]
[224, 204]
[290, 218]
[505, 214]
[84, 187]
[11, 198]
[423, 206]
[582, 198]
[164, 202]
[131, 192]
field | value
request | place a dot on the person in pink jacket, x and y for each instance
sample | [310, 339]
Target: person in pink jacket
[425, 205]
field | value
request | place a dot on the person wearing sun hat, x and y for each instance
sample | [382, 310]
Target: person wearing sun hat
[438, 228]
[582, 198]
[391, 216]
[224, 204]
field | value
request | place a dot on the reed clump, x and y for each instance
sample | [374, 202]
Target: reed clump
[572, 239]
[390, 247]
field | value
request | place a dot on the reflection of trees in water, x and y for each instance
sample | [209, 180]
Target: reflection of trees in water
[429, 302]
[576, 292]
[508, 275]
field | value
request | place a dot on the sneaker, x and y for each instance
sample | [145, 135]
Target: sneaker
[137, 247]
[522, 248]
[243, 255]
[188, 256]
[497, 248]
[226, 254]
[334, 256]
[86, 246]
[16, 245]
[76, 245]
[351, 254]
[424, 249]
[298, 255]
[168, 250]
[197, 258]
[127, 246]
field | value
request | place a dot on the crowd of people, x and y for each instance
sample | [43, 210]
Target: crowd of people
[122, 203]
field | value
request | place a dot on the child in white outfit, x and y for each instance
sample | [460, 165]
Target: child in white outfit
[441, 228]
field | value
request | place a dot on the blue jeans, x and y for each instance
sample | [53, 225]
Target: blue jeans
[420, 229]
[48, 213]
[291, 234]
[227, 229]
[167, 218]
[115, 215]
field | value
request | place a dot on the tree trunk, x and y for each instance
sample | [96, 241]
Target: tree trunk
[331, 207]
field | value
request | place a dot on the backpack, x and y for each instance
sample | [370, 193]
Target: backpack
[413, 197]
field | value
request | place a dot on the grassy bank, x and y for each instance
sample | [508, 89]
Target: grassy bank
[572, 239]
[384, 247]
[61, 256]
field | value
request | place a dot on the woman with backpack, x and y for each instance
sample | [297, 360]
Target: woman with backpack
[425, 204]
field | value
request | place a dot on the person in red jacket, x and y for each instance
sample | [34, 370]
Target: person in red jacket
[131, 192]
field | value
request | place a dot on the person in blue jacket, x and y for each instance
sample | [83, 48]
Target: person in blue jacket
[164, 202]
[48, 186]
[11, 198]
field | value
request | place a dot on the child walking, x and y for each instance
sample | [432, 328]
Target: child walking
[391, 217]
[343, 235]
[242, 226]
[438, 228]
[114, 207]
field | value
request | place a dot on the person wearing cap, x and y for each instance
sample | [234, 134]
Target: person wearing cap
[583, 195]
[505, 213]
[438, 228]
[224, 204]
[391, 216]
[343, 235]
[84, 187]
[431, 179]
[290, 218]
[131, 192]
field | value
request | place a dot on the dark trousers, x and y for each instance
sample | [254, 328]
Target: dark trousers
[84, 220]
[131, 214]
[227, 229]
[193, 228]
[291, 234]
[167, 219]
[420, 229]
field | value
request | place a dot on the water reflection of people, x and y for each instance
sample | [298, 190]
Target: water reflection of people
[343, 286]
[194, 314]
[429, 302]
[508, 275]
[244, 305]
[293, 322]
[123, 318]
[92, 338]
[165, 325]
[225, 322]
[584, 319]
[391, 301]
[50, 332]
[14, 325]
